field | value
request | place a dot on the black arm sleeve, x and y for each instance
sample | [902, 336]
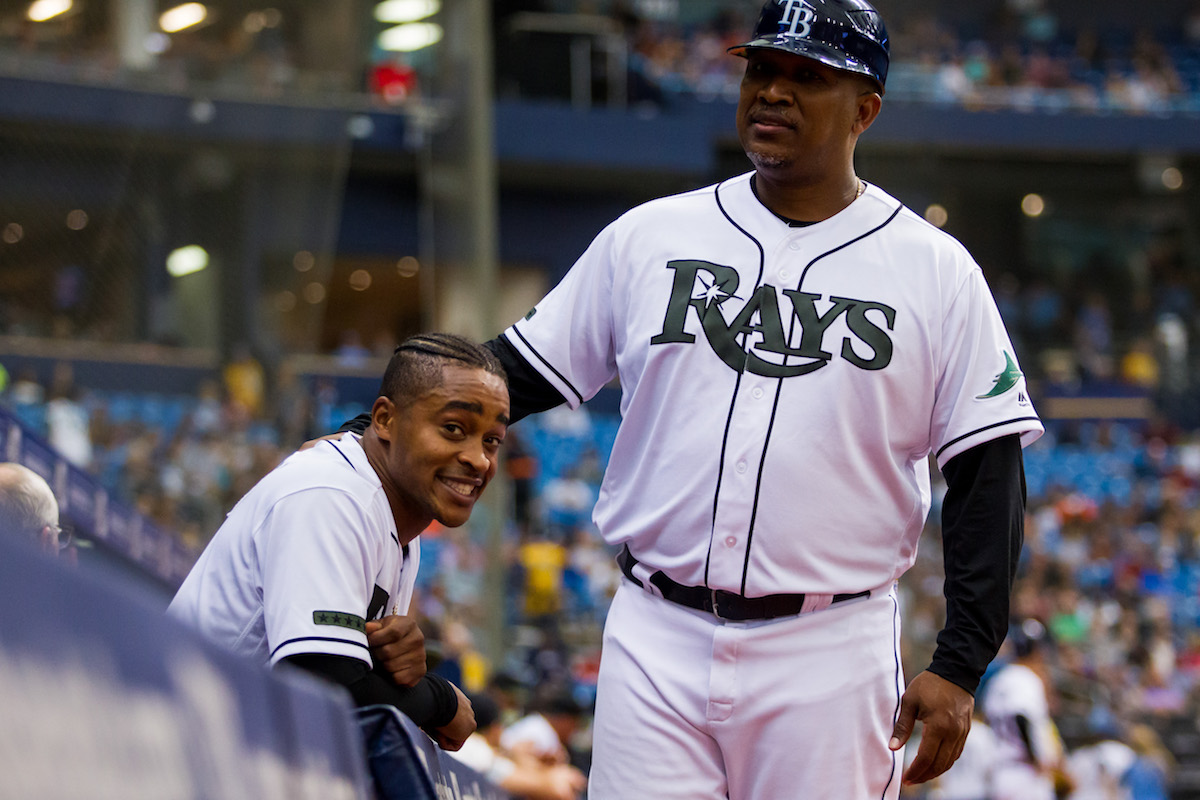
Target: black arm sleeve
[528, 391]
[431, 704]
[983, 527]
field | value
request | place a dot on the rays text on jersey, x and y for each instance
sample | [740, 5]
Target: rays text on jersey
[707, 289]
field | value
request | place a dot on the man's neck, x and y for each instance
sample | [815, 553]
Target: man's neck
[805, 205]
[407, 527]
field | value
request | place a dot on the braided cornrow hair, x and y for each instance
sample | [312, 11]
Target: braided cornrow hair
[416, 365]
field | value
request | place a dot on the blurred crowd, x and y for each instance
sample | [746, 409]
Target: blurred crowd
[1113, 576]
[1023, 56]
[1019, 54]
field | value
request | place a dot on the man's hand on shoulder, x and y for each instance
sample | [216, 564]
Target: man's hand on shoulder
[944, 710]
[398, 647]
[333, 437]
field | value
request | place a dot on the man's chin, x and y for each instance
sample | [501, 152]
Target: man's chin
[768, 162]
[454, 517]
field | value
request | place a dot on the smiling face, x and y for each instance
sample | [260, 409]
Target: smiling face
[436, 455]
[798, 119]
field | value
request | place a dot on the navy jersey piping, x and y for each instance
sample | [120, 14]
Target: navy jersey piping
[896, 710]
[844, 245]
[762, 464]
[957, 439]
[549, 366]
[762, 259]
[343, 455]
[319, 639]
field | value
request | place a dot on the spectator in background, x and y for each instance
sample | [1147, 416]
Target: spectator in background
[293, 407]
[245, 383]
[351, 352]
[520, 462]
[67, 421]
[209, 414]
[28, 509]
[26, 388]
[1094, 337]
[1146, 778]
[545, 733]
[526, 778]
[1097, 769]
[542, 561]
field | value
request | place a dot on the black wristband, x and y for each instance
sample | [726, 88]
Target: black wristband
[445, 701]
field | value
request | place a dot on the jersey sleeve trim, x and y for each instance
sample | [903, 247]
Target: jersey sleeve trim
[331, 646]
[559, 379]
[1030, 429]
[343, 455]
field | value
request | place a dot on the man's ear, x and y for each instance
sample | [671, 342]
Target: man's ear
[48, 540]
[869, 104]
[383, 413]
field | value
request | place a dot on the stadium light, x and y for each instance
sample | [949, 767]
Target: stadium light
[1033, 205]
[178, 18]
[410, 37]
[42, 10]
[396, 11]
[187, 260]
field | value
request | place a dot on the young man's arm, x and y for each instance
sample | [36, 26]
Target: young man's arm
[433, 703]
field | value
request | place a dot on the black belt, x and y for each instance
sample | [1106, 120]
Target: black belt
[721, 603]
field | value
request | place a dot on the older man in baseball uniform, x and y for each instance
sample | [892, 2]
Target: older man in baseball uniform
[793, 345]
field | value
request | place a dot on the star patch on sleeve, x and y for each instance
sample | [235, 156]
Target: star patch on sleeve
[1005, 380]
[340, 620]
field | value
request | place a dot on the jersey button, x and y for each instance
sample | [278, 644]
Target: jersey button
[757, 393]
[740, 466]
[730, 541]
[793, 246]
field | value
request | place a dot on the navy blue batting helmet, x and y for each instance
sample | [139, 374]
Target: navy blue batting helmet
[843, 34]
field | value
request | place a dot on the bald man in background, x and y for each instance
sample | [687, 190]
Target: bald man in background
[28, 509]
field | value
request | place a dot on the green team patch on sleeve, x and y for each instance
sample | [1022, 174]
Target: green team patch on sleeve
[340, 620]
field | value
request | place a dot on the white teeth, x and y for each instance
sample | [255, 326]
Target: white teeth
[464, 489]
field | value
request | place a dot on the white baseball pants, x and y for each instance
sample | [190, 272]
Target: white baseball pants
[695, 708]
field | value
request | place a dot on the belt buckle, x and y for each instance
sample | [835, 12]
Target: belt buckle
[713, 594]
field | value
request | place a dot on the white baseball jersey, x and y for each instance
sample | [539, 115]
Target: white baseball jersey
[782, 386]
[303, 561]
[1014, 691]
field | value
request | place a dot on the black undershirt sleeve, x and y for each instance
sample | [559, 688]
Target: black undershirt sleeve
[983, 527]
[431, 704]
[529, 393]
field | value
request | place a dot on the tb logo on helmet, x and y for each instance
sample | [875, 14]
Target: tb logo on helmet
[797, 19]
